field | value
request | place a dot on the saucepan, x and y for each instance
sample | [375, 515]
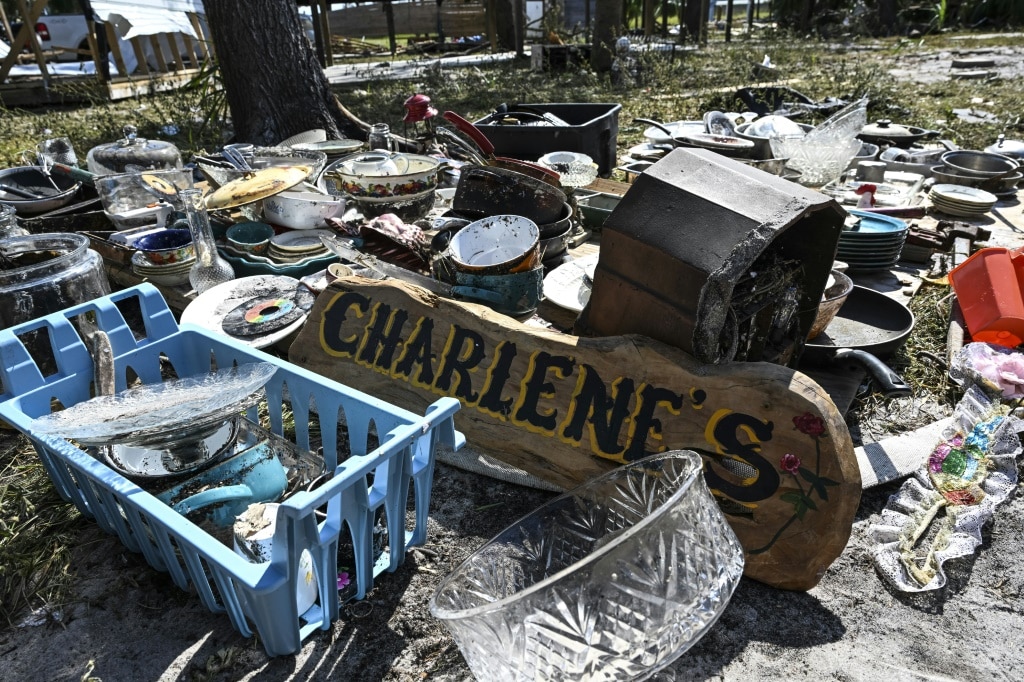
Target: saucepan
[726, 145]
[869, 328]
[486, 148]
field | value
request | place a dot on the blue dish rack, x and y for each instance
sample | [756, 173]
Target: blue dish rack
[258, 598]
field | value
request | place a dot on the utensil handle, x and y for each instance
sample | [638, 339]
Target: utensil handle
[889, 382]
[471, 131]
[228, 493]
[77, 173]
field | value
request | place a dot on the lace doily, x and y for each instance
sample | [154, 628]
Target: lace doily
[938, 514]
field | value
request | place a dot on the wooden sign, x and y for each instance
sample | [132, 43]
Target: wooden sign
[777, 454]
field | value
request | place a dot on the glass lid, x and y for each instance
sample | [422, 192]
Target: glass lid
[164, 413]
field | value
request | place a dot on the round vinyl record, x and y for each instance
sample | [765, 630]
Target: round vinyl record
[211, 307]
[262, 315]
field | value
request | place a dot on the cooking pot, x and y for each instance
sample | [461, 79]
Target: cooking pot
[726, 145]
[868, 328]
[489, 190]
[884, 131]
[225, 490]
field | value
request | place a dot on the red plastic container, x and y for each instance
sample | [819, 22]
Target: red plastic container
[988, 288]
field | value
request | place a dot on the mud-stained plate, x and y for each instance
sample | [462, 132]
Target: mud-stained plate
[210, 308]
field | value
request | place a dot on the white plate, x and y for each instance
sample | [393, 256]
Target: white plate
[209, 309]
[965, 194]
[298, 241]
[568, 286]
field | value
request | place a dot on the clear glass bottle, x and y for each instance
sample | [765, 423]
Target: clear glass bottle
[209, 269]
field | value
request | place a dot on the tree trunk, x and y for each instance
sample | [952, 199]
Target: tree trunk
[274, 84]
[607, 27]
[504, 11]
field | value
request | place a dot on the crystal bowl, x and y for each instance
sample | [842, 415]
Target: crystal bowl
[819, 161]
[613, 580]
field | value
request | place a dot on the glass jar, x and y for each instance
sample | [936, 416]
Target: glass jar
[209, 269]
[380, 137]
[46, 273]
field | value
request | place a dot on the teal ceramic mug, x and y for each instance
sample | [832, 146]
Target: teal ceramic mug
[227, 489]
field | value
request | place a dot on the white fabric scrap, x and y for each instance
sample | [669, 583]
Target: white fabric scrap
[898, 456]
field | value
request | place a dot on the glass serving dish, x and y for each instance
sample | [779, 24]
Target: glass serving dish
[159, 414]
[611, 581]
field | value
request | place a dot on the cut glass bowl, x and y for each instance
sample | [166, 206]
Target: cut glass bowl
[611, 581]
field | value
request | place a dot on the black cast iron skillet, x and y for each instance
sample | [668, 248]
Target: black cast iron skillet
[867, 329]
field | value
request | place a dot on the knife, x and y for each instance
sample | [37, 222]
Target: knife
[347, 252]
[339, 248]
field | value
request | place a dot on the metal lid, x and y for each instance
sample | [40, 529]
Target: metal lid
[886, 128]
[1014, 148]
[258, 185]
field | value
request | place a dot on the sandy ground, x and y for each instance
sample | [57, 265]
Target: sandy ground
[126, 621]
[134, 624]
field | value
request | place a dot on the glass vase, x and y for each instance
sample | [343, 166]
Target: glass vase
[210, 269]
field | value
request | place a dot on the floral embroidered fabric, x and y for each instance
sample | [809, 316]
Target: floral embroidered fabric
[938, 513]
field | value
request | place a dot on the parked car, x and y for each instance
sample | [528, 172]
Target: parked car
[67, 33]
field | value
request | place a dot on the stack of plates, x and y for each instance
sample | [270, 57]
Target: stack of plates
[297, 245]
[961, 200]
[169, 274]
[870, 241]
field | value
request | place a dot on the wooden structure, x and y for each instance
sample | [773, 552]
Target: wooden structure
[162, 62]
[777, 452]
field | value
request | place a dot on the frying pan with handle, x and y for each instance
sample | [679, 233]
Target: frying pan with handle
[868, 328]
[487, 149]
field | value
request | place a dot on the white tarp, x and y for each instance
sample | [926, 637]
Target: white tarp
[148, 17]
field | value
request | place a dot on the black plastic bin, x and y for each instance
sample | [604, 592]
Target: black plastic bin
[593, 130]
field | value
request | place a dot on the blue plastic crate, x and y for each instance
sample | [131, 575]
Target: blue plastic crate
[256, 597]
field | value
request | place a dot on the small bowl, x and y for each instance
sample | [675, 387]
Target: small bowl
[166, 246]
[250, 237]
[336, 270]
[302, 210]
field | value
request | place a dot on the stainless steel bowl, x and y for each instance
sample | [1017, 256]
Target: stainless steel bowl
[979, 164]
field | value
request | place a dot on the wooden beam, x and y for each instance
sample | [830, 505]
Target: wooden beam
[161, 64]
[137, 48]
[7, 25]
[27, 35]
[389, 13]
[115, 50]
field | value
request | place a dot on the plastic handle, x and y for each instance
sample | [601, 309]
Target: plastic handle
[889, 382]
[469, 129]
[205, 498]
